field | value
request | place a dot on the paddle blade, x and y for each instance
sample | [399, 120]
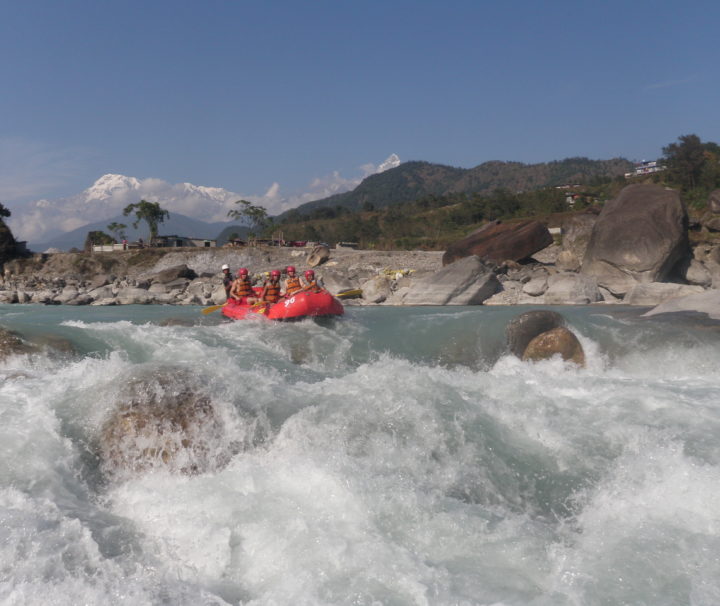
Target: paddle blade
[212, 308]
[349, 294]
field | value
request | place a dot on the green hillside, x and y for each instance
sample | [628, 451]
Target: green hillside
[414, 180]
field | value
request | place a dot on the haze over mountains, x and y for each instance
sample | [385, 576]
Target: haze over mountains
[201, 212]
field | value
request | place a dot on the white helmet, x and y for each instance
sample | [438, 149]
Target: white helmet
[225, 266]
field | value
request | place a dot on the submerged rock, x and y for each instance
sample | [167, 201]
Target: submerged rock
[165, 423]
[559, 340]
[525, 327]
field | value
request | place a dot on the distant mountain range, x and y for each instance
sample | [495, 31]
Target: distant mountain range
[175, 225]
[413, 180]
[64, 223]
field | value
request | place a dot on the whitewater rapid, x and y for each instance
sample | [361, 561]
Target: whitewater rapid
[393, 456]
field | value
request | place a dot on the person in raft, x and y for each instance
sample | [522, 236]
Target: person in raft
[310, 282]
[227, 279]
[271, 288]
[242, 290]
[292, 282]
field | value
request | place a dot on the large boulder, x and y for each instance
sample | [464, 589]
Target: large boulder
[657, 292]
[558, 341]
[466, 282]
[576, 232]
[497, 241]
[173, 273]
[528, 325]
[707, 302]
[639, 237]
[161, 421]
[318, 255]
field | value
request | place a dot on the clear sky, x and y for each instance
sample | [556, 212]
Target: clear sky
[244, 94]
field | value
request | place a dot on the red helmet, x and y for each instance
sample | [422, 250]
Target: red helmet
[309, 274]
[275, 273]
[290, 268]
[243, 271]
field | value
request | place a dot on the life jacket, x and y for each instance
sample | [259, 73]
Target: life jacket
[272, 291]
[243, 288]
[292, 285]
[313, 286]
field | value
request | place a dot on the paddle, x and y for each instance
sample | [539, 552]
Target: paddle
[346, 294]
[212, 308]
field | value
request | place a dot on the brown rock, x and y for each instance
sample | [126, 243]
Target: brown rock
[525, 327]
[640, 236]
[499, 242]
[559, 340]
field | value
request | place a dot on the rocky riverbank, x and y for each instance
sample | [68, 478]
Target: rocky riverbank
[636, 251]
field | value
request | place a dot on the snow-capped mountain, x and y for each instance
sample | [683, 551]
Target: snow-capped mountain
[45, 220]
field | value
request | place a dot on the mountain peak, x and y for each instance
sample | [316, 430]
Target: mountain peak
[110, 184]
[392, 161]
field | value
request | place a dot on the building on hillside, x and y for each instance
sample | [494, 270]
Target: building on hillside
[645, 168]
[182, 241]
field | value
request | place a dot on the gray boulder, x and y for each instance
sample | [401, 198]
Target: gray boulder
[376, 290]
[657, 292]
[528, 325]
[318, 255]
[466, 282]
[173, 273]
[697, 273]
[639, 237]
[576, 232]
[571, 289]
[714, 201]
[707, 302]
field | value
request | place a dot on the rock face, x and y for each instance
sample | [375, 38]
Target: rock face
[559, 340]
[640, 236]
[165, 423]
[466, 282]
[499, 242]
[525, 327]
[576, 232]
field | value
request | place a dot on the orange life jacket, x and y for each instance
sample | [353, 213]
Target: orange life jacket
[272, 292]
[243, 288]
[292, 285]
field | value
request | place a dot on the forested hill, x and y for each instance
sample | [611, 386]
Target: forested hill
[413, 180]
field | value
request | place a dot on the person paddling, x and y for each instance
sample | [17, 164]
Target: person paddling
[227, 279]
[310, 283]
[292, 282]
[242, 290]
[271, 288]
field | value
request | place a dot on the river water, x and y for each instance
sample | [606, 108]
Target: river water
[393, 456]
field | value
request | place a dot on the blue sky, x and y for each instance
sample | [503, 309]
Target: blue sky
[242, 95]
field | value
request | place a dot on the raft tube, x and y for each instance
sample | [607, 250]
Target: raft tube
[298, 306]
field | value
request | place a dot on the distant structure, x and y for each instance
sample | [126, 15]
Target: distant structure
[645, 168]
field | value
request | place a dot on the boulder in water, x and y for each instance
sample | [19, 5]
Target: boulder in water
[525, 327]
[12, 344]
[559, 340]
[165, 423]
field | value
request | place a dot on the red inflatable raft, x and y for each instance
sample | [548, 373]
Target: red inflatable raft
[300, 305]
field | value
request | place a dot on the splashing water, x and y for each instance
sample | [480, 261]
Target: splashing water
[394, 456]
